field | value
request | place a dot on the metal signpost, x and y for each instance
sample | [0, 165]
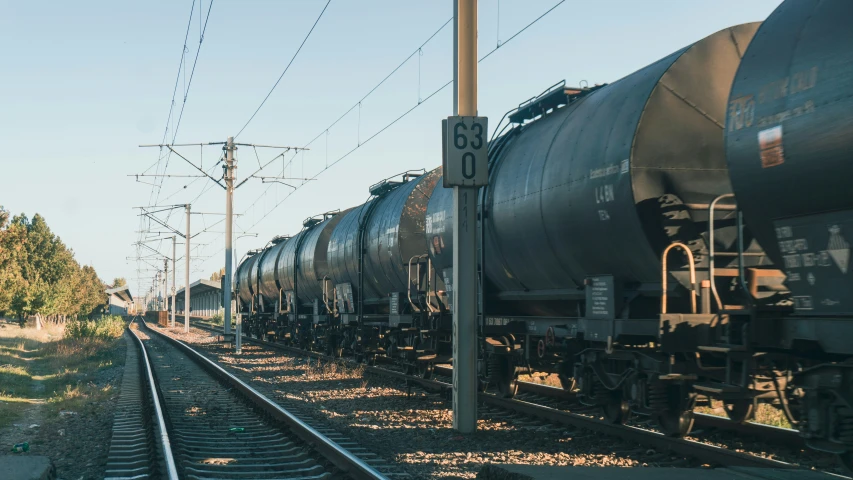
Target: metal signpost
[465, 168]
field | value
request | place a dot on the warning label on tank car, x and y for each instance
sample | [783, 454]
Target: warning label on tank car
[816, 255]
[770, 147]
[600, 297]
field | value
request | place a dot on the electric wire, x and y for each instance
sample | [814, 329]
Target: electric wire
[285, 69]
[186, 93]
[381, 130]
[403, 115]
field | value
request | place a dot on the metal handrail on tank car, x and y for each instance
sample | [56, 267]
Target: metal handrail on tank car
[711, 247]
[418, 287]
[664, 274]
[326, 295]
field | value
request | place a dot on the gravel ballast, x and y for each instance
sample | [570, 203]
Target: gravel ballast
[414, 430]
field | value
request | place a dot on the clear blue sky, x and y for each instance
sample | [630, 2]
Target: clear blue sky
[85, 82]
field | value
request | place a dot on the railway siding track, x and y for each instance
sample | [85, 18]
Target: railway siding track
[140, 446]
[219, 427]
[704, 452]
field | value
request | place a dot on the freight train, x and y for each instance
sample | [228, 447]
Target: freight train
[680, 234]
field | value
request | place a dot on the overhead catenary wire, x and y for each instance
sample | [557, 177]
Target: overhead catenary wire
[186, 89]
[285, 69]
[397, 119]
[174, 93]
[361, 143]
[157, 186]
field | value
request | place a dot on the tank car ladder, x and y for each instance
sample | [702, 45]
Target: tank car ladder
[736, 389]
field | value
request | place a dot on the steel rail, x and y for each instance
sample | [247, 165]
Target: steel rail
[775, 435]
[164, 444]
[329, 449]
[691, 448]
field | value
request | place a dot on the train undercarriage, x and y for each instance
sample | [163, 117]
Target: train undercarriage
[661, 368]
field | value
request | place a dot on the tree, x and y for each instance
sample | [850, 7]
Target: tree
[39, 275]
[13, 255]
[215, 276]
[119, 282]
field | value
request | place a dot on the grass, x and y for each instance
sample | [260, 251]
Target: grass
[56, 368]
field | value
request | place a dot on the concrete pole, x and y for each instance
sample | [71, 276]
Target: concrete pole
[229, 216]
[187, 276]
[238, 343]
[464, 286]
[165, 284]
[174, 307]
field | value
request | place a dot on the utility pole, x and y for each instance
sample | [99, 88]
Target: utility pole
[465, 169]
[187, 274]
[229, 216]
[166, 284]
[229, 187]
[174, 307]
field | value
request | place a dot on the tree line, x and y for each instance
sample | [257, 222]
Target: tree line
[39, 275]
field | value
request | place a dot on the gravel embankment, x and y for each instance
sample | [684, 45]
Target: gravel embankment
[415, 431]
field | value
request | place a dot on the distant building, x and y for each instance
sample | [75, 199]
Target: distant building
[139, 305]
[205, 298]
[120, 301]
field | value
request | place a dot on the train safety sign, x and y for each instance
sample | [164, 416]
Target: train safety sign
[465, 146]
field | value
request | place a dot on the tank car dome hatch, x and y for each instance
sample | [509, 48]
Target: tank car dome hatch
[789, 138]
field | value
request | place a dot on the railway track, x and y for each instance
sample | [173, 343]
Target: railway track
[548, 403]
[206, 423]
[139, 420]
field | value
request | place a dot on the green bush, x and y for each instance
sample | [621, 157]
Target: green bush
[216, 319]
[110, 326]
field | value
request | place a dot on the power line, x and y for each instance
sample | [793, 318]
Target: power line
[406, 113]
[174, 92]
[181, 67]
[285, 69]
[387, 126]
[186, 90]
[356, 104]
[353, 107]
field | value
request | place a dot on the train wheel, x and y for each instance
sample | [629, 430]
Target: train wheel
[616, 410]
[425, 370]
[740, 410]
[675, 423]
[506, 380]
[568, 383]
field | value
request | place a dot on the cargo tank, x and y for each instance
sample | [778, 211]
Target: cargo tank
[602, 185]
[393, 229]
[789, 138]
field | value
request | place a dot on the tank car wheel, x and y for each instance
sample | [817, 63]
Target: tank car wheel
[675, 423]
[740, 410]
[617, 410]
[507, 381]
[569, 384]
